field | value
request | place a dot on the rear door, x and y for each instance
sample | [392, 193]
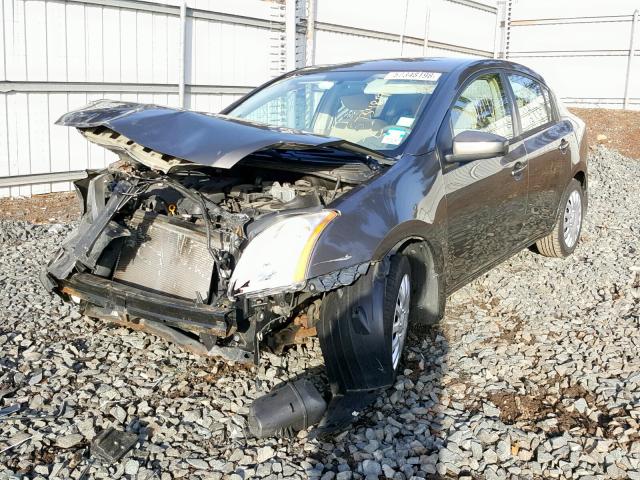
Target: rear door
[486, 198]
[548, 142]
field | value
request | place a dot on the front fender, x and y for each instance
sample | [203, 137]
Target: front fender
[406, 202]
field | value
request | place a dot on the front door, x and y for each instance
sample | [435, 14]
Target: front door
[487, 198]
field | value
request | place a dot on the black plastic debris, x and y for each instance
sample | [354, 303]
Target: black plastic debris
[343, 410]
[111, 445]
[288, 408]
[9, 410]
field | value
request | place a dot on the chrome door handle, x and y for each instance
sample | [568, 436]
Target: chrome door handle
[564, 146]
[518, 168]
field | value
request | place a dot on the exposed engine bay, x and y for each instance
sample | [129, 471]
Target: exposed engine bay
[162, 247]
[216, 212]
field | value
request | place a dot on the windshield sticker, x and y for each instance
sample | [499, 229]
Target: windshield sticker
[425, 76]
[405, 121]
[394, 136]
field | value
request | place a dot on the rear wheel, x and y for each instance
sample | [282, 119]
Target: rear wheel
[563, 239]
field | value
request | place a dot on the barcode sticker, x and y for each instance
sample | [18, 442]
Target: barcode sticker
[428, 76]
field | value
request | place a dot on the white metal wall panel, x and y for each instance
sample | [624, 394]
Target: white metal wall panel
[206, 102]
[76, 64]
[378, 15]
[573, 77]
[335, 47]
[58, 138]
[90, 43]
[589, 66]
[56, 59]
[450, 22]
[441, 52]
[36, 36]
[112, 51]
[14, 21]
[19, 159]
[226, 54]
[94, 53]
[527, 9]
[458, 24]
[247, 8]
[543, 39]
[3, 47]
[173, 50]
[39, 137]
[4, 143]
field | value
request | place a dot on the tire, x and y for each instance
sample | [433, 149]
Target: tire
[397, 307]
[356, 329]
[562, 241]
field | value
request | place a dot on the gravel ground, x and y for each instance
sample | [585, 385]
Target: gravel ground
[534, 373]
[621, 128]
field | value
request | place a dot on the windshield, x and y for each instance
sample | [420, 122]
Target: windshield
[376, 110]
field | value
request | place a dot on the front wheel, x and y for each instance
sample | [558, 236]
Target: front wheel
[562, 241]
[397, 304]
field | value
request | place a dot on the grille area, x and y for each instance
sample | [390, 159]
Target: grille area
[166, 255]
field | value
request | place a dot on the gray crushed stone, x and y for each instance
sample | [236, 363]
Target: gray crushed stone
[534, 373]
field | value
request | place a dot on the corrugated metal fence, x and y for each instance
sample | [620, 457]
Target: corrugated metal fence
[58, 55]
[587, 50]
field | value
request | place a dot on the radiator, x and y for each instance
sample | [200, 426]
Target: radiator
[166, 255]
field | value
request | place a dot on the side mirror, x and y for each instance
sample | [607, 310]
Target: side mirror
[475, 145]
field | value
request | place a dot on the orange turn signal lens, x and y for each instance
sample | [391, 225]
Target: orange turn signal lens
[301, 268]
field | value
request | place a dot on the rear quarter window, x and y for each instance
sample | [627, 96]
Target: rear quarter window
[533, 102]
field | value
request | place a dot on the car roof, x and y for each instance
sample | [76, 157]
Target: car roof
[431, 64]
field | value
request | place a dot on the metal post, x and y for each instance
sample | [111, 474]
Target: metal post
[290, 34]
[181, 52]
[311, 32]
[497, 34]
[632, 52]
[404, 26]
[504, 40]
[427, 19]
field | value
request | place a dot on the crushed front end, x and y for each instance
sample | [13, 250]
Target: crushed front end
[163, 252]
[206, 241]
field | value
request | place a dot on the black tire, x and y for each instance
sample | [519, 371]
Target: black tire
[356, 329]
[398, 269]
[554, 244]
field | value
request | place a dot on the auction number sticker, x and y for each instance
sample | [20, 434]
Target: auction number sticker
[426, 76]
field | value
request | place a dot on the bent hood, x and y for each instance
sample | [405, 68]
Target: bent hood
[176, 135]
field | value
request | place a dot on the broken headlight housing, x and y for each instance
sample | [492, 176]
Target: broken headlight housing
[277, 258]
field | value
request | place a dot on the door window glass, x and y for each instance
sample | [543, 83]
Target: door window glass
[533, 105]
[483, 106]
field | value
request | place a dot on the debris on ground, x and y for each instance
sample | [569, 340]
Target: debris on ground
[111, 445]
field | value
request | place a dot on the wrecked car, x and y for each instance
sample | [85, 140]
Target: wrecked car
[343, 201]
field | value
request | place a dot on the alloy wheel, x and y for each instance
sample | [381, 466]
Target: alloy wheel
[400, 320]
[572, 219]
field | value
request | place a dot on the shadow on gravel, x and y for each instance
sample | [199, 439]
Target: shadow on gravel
[402, 431]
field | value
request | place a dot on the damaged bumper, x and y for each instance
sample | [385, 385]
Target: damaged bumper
[127, 302]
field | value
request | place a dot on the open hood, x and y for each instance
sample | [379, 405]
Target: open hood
[163, 138]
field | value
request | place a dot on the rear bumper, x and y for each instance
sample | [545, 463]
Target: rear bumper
[126, 301]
